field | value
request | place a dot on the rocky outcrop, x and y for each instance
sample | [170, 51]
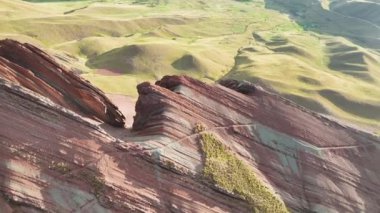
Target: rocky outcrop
[54, 160]
[315, 164]
[32, 68]
[244, 87]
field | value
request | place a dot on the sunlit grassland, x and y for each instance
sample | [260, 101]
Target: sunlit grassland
[208, 40]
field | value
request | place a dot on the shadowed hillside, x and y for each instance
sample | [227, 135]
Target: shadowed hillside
[365, 10]
[342, 19]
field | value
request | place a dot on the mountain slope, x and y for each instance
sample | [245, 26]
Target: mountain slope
[298, 48]
[30, 67]
[366, 10]
[53, 160]
[285, 64]
[312, 16]
[186, 134]
[300, 153]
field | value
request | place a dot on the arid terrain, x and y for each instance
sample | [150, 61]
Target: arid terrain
[189, 106]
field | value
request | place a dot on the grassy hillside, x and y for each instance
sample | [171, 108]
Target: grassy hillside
[322, 55]
[365, 10]
[313, 16]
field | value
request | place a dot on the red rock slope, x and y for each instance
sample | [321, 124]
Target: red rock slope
[32, 68]
[52, 159]
[313, 163]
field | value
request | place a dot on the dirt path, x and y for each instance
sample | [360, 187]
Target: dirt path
[304, 143]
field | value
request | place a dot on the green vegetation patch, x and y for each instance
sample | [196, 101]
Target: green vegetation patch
[96, 182]
[61, 167]
[225, 170]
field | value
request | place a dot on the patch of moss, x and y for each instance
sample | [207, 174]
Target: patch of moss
[97, 183]
[225, 170]
[61, 167]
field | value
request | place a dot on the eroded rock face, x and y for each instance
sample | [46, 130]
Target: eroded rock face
[244, 87]
[315, 164]
[53, 160]
[32, 68]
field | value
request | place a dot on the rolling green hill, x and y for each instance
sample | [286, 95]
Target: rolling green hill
[324, 55]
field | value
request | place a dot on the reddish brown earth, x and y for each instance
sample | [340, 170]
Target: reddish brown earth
[53, 159]
[126, 104]
[108, 72]
[315, 164]
[32, 68]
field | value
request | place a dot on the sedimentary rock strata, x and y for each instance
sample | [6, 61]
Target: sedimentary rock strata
[313, 163]
[54, 160]
[34, 69]
[57, 157]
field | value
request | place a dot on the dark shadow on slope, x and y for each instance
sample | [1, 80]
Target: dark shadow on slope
[365, 10]
[313, 17]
